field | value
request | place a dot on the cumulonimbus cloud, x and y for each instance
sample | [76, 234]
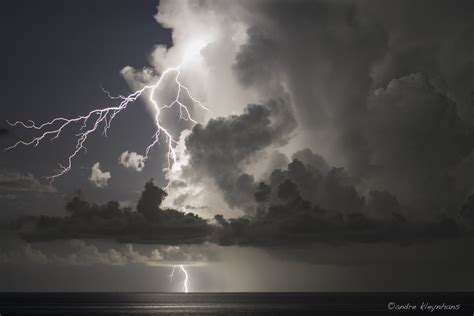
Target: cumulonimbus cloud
[340, 99]
[348, 81]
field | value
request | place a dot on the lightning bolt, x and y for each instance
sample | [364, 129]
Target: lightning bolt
[102, 119]
[186, 277]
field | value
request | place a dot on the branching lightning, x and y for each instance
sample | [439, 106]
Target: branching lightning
[185, 282]
[102, 119]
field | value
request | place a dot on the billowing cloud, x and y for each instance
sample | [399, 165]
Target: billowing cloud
[98, 177]
[416, 140]
[362, 94]
[298, 205]
[340, 135]
[150, 223]
[320, 52]
[132, 160]
[221, 150]
[302, 205]
[381, 94]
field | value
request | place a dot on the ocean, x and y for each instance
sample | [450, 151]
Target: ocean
[235, 303]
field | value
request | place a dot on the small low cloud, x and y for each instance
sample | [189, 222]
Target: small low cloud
[98, 177]
[132, 160]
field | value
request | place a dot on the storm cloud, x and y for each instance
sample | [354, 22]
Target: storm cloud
[286, 215]
[222, 148]
[302, 205]
[417, 140]
[331, 56]
[336, 123]
[371, 89]
[374, 90]
[378, 130]
[148, 224]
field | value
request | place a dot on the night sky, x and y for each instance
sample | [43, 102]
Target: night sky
[316, 146]
[59, 55]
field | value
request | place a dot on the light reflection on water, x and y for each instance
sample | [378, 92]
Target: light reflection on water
[212, 303]
[151, 303]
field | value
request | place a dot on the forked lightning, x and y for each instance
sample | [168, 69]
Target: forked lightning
[102, 119]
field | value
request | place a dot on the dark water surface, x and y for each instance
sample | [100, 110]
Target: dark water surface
[230, 303]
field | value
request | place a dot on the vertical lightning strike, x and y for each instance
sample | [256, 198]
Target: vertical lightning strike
[185, 283]
[186, 277]
[102, 118]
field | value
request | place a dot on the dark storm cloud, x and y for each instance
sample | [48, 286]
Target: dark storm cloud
[290, 212]
[411, 137]
[417, 139]
[331, 189]
[287, 214]
[384, 89]
[222, 148]
[149, 224]
[311, 159]
[434, 37]
[323, 50]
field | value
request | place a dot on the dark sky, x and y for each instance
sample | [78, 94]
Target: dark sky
[338, 142]
[56, 56]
